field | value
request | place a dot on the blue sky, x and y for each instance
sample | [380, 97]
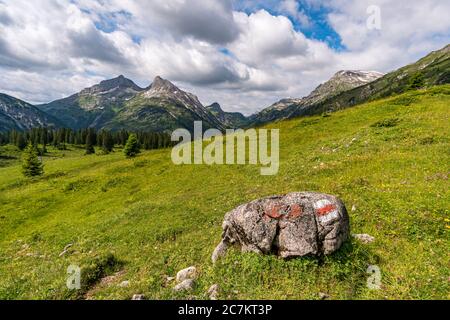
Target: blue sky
[244, 54]
[319, 29]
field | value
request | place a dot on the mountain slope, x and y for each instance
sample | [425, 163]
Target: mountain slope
[162, 107]
[434, 69]
[231, 120]
[340, 82]
[20, 115]
[120, 104]
[94, 106]
[158, 218]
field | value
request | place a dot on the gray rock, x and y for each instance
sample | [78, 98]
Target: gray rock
[293, 225]
[186, 285]
[220, 251]
[188, 273]
[323, 296]
[364, 238]
[138, 297]
[213, 292]
[124, 284]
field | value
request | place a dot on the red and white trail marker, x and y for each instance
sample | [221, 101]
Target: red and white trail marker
[326, 210]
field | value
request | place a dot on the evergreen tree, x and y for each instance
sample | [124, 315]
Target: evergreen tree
[21, 143]
[44, 139]
[31, 165]
[108, 142]
[132, 147]
[90, 143]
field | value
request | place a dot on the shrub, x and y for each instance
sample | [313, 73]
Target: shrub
[386, 123]
[417, 81]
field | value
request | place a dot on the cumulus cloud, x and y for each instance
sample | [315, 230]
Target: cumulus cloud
[210, 21]
[264, 37]
[243, 54]
[409, 29]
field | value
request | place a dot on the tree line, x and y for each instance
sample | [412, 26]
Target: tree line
[34, 143]
[90, 138]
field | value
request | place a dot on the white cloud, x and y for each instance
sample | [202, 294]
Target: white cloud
[265, 37]
[52, 48]
[293, 9]
[409, 29]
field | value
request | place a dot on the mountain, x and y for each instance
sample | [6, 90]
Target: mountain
[231, 120]
[94, 106]
[20, 115]
[434, 69]
[342, 81]
[162, 107]
[120, 104]
[349, 88]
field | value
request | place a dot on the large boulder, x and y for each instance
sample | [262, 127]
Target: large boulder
[293, 225]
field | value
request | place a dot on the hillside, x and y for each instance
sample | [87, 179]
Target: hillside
[144, 219]
[342, 81]
[348, 88]
[434, 69]
[16, 114]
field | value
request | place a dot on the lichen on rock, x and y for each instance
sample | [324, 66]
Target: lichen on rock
[293, 225]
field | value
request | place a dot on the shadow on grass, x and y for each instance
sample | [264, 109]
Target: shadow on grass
[343, 274]
[92, 272]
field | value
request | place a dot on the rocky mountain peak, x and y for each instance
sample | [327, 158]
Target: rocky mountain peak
[215, 107]
[357, 76]
[160, 84]
[342, 81]
[162, 88]
[119, 82]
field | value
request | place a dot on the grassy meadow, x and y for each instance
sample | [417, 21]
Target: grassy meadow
[144, 219]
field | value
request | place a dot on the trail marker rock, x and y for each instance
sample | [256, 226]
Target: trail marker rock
[293, 225]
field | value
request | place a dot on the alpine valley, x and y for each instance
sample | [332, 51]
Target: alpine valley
[119, 103]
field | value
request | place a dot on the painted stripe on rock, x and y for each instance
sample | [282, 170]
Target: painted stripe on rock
[326, 210]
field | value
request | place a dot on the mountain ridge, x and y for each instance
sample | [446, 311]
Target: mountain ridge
[106, 105]
[119, 103]
[434, 69]
[231, 120]
[162, 106]
[341, 81]
[16, 114]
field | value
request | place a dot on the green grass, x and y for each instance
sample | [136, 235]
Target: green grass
[148, 218]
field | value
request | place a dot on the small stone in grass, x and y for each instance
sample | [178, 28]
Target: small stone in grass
[188, 273]
[213, 292]
[323, 296]
[186, 285]
[364, 238]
